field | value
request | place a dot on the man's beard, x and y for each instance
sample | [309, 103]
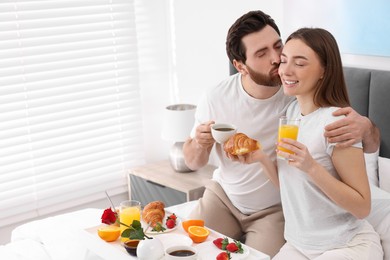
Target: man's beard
[264, 79]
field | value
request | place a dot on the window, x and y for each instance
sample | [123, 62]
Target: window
[70, 119]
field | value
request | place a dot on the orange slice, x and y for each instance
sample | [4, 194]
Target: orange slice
[109, 233]
[198, 234]
[192, 222]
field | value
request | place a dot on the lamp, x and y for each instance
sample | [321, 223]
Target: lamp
[177, 124]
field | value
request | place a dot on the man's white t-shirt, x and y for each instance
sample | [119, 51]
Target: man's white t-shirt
[313, 220]
[247, 186]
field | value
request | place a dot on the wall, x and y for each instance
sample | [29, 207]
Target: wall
[201, 29]
[200, 61]
[361, 29]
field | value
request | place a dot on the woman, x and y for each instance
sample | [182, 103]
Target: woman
[324, 188]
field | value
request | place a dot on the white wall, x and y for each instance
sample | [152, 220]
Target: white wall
[362, 29]
[198, 38]
[201, 29]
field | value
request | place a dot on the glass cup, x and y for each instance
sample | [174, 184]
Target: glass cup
[129, 210]
[288, 128]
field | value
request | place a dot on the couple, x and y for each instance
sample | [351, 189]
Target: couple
[324, 196]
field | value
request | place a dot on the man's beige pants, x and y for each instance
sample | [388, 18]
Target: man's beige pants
[262, 230]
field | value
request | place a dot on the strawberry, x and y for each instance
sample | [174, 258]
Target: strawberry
[221, 243]
[170, 223]
[218, 242]
[223, 256]
[172, 216]
[235, 247]
[232, 247]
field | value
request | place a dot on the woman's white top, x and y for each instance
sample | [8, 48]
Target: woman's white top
[313, 221]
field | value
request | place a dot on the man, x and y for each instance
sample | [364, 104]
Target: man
[241, 201]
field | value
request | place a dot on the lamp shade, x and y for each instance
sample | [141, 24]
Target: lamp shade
[178, 122]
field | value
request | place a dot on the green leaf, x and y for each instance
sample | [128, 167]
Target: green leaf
[159, 228]
[134, 232]
[240, 249]
[137, 234]
[225, 242]
[126, 232]
[136, 224]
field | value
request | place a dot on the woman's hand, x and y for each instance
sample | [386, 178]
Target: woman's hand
[301, 157]
[248, 158]
[259, 156]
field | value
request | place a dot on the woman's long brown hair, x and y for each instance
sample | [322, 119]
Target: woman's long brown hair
[332, 89]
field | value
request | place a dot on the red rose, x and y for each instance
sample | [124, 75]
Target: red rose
[109, 216]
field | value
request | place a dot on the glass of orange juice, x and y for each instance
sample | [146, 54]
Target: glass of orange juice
[288, 128]
[129, 210]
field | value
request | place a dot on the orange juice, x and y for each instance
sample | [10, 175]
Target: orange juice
[287, 131]
[128, 213]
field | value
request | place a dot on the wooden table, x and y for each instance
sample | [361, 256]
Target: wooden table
[159, 181]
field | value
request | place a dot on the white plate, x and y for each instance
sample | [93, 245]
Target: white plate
[169, 240]
[207, 250]
[167, 230]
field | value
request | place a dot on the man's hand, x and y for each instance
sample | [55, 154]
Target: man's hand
[197, 150]
[351, 129]
[203, 135]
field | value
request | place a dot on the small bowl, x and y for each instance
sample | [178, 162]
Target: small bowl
[131, 246]
[222, 132]
[181, 253]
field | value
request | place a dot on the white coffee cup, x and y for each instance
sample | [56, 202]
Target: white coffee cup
[222, 132]
[181, 253]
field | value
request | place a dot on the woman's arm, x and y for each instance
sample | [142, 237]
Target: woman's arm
[257, 156]
[352, 191]
[350, 165]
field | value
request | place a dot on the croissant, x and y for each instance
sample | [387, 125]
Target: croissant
[154, 212]
[240, 144]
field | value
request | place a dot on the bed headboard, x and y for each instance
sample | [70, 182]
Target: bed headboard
[369, 92]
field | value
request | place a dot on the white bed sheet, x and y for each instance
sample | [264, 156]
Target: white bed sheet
[26, 249]
[56, 236]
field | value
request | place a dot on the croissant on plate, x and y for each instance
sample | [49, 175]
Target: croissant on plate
[154, 212]
[239, 144]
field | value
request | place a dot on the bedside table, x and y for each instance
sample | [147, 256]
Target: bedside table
[158, 181]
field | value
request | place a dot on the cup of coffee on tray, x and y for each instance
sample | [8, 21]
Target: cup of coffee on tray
[222, 131]
[181, 253]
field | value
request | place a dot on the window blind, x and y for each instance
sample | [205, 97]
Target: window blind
[70, 119]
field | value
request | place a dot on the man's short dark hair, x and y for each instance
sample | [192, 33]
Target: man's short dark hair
[250, 22]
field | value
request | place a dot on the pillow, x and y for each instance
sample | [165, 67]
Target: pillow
[379, 217]
[372, 167]
[384, 173]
